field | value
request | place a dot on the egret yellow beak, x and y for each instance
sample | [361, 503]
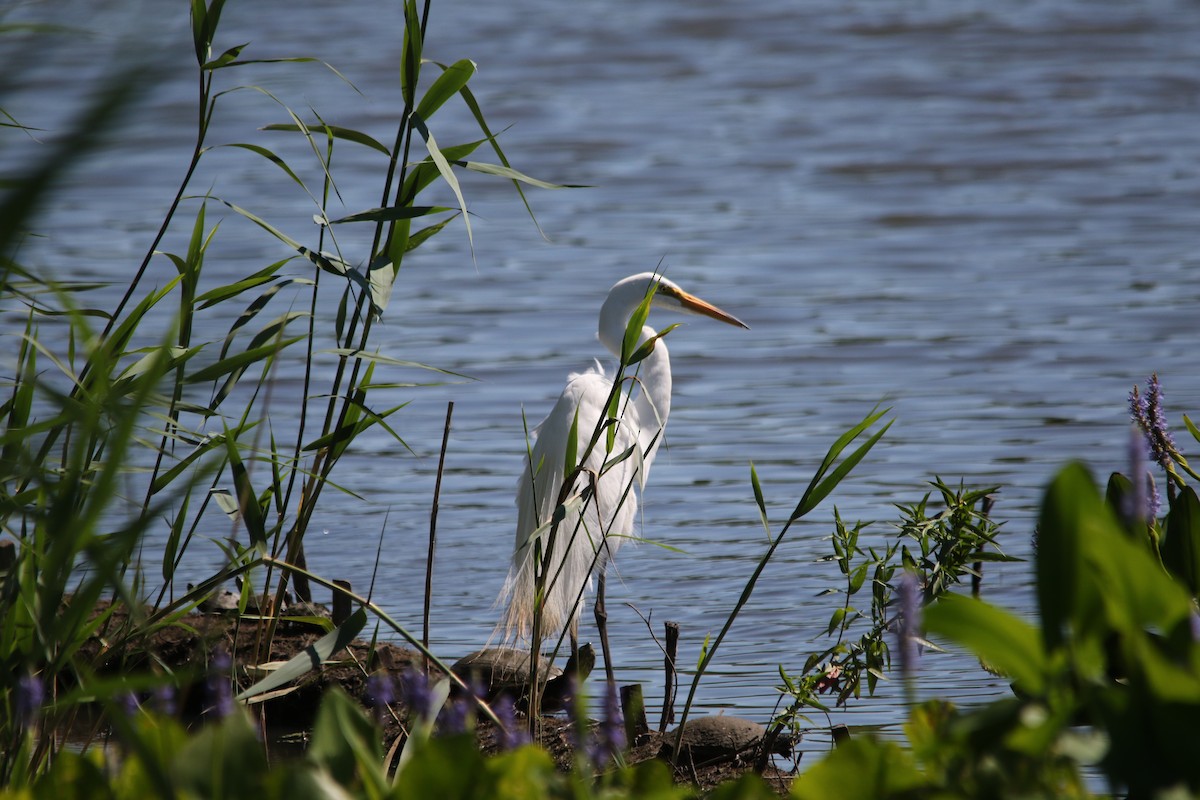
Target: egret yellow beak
[694, 305]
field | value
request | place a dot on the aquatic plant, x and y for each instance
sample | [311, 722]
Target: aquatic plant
[123, 420]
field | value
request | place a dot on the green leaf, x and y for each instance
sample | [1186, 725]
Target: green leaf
[346, 745]
[452, 79]
[251, 511]
[759, 500]
[571, 456]
[514, 175]
[633, 328]
[278, 234]
[239, 361]
[265, 275]
[311, 657]
[822, 484]
[269, 156]
[225, 59]
[447, 174]
[1001, 640]
[346, 134]
[647, 347]
[220, 760]
[391, 213]
[858, 577]
[410, 53]
[1181, 544]
[863, 768]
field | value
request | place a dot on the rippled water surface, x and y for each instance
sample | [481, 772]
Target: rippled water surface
[981, 214]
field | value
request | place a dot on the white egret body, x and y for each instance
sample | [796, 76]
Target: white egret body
[605, 490]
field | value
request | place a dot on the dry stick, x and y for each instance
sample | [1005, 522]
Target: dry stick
[437, 490]
[668, 710]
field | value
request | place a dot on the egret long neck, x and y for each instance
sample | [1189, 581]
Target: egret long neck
[648, 385]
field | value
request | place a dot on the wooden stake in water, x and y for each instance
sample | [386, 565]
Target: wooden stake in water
[672, 649]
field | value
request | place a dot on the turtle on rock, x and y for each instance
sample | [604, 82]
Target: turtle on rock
[504, 671]
[709, 740]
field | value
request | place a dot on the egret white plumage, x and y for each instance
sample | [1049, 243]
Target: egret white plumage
[612, 436]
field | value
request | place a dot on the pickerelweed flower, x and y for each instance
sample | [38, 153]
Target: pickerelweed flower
[511, 735]
[164, 700]
[1135, 510]
[415, 692]
[456, 716]
[29, 699]
[609, 739]
[379, 693]
[219, 700]
[1147, 411]
[910, 624]
[128, 703]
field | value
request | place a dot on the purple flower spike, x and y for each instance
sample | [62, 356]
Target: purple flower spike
[164, 700]
[415, 692]
[456, 716]
[30, 697]
[1147, 412]
[220, 692]
[609, 740]
[380, 691]
[128, 703]
[910, 624]
[511, 734]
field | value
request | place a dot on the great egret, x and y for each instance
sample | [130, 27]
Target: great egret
[612, 437]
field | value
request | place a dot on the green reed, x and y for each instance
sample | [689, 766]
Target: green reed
[116, 425]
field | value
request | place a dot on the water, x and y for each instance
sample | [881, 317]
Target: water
[981, 215]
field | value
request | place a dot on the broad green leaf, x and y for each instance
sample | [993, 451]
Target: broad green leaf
[269, 156]
[266, 226]
[248, 504]
[225, 59]
[311, 657]
[410, 54]
[239, 361]
[336, 132]
[863, 768]
[447, 174]
[998, 638]
[647, 347]
[343, 738]
[266, 275]
[219, 760]
[823, 484]
[633, 328]
[1181, 544]
[391, 213]
[452, 79]
[514, 175]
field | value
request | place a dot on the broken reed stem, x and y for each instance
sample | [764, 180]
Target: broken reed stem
[672, 649]
[433, 513]
[633, 710]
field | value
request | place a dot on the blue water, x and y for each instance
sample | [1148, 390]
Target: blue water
[981, 215]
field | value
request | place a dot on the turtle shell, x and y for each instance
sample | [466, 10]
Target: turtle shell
[501, 670]
[505, 671]
[721, 738]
